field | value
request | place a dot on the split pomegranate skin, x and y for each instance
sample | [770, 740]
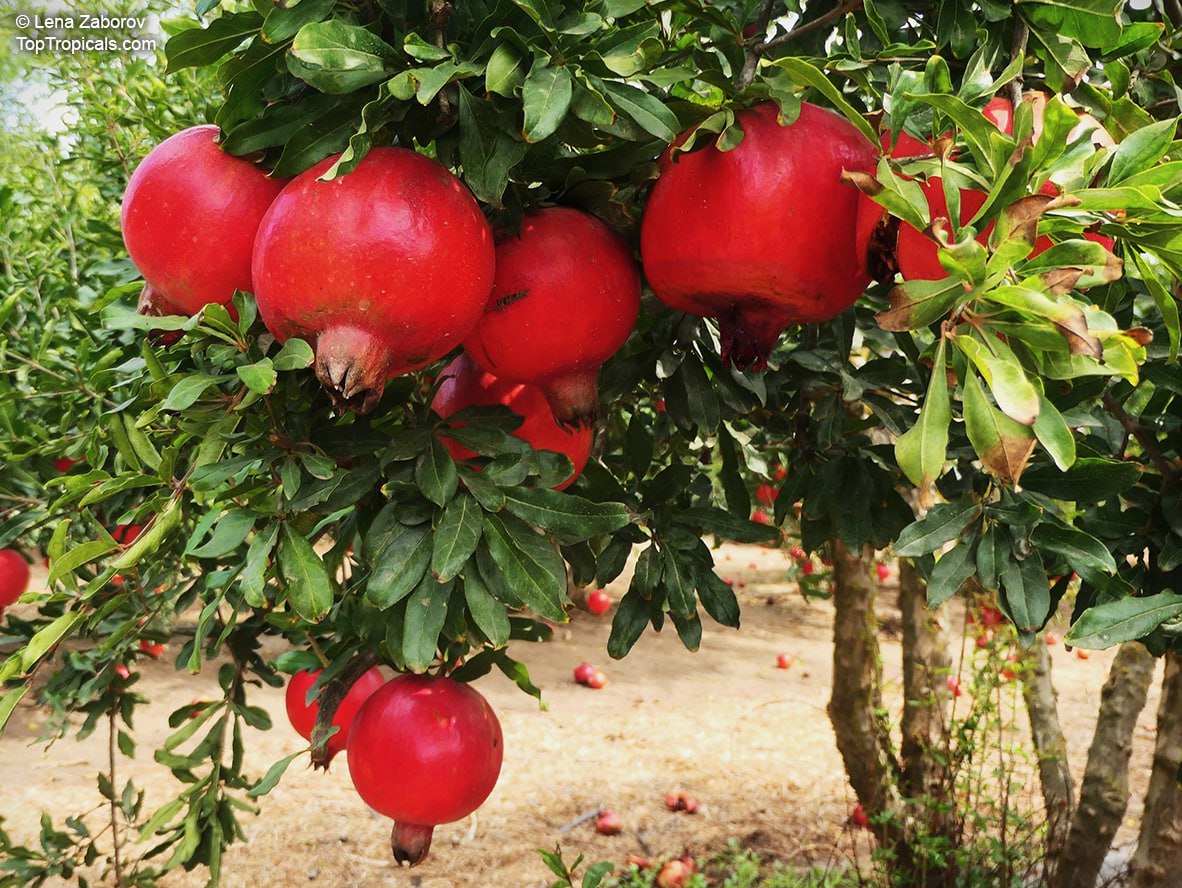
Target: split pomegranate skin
[762, 236]
[383, 270]
[466, 384]
[565, 299]
[303, 715]
[189, 218]
[424, 750]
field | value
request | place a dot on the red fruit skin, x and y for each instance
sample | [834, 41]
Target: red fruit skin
[565, 298]
[425, 750]
[759, 516]
[767, 494]
[123, 672]
[806, 567]
[599, 602]
[597, 680]
[883, 571]
[762, 236]
[583, 672]
[609, 824]
[126, 534]
[153, 649]
[63, 464]
[954, 686]
[190, 213]
[784, 661]
[858, 817]
[14, 576]
[302, 715]
[468, 385]
[673, 874]
[383, 270]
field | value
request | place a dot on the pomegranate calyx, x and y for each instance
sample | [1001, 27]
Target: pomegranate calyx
[574, 398]
[410, 842]
[746, 341]
[353, 367]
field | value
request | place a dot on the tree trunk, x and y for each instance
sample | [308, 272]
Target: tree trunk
[926, 665]
[1104, 794]
[1058, 789]
[1157, 862]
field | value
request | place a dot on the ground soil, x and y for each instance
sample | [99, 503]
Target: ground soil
[752, 742]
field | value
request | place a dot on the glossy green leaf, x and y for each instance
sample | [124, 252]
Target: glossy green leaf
[545, 96]
[1126, 619]
[922, 449]
[456, 537]
[309, 589]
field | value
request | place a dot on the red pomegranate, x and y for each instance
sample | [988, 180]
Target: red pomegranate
[190, 213]
[762, 236]
[14, 576]
[566, 297]
[302, 714]
[383, 270]
[467, 385]
[423, 751]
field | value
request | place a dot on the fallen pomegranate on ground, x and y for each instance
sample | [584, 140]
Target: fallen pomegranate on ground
[597, 680]
[466, 384]
[858, 817]
[302, 714]
[673, 874]
[424, 751]
[762, 236]
[189, 217]
[883, 571]
[599, 602]
[784, 661]
[316, 259]
[609, 824]
[153, 649]
[583, 672]
[566, 297]
[14, 576]
[681, 801]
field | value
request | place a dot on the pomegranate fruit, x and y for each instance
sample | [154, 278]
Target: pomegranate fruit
[190, 214]
[859, 818]
[599, 602]
[761, 236]
[565, 298]
[302, 714]
[424, 751]
[383, 270]
[153, 649]
[784, 661]
[583, 672]
[14, 576]
[609, 824]
[597, 680]
[466, 384]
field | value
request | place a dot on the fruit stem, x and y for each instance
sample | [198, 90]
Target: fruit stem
[410, 842]
[352, 365]
[331, 696]
[574, 398]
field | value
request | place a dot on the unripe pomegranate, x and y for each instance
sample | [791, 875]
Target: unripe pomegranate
[383, 270]
[762, 236]
[566, 297]
[302, 714]
[14, 576]
[467, 385]
[190, 213]
[424, 751]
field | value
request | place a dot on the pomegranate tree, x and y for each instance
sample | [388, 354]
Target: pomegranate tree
[383, 270]
[465, 384]
[761, 236]
[566, 297]
[302, 714]
[190, 213]
[424, 750]
[14, 577]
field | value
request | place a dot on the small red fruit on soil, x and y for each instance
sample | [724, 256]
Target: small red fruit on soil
[858, 817]
[190, 214]
[785, 661]
[641, 863]
[681, 801]
[566, 297]
[467, 385]
[383, 270]
[424, 751]
[985, 638]
[1052, 639]
[762, 236]
[797, 554]
[583, 672]
[759, 516]
[599, 602]
[609, 824]
[883, 571]
[302, 714]
[1081, 654]
[152, 648]
[14, 576]
[954, 686]
[597, 680]
[673, 874]
[767, 494]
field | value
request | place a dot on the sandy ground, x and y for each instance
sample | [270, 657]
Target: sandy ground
[752, 742]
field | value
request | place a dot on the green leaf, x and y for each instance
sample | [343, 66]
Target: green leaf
[689, 629]
[1141, 150]
[646, 110]
[488, 152]
[806, 74]
[309, 588]
[1092, 22]
[689, 393]
[198, 47]
[276, 771]
[259, 377]
[9, 701]
[1054, 434]
[545, 97]
[1083, 552]
[679, 581]
[435, 474]
[253, 579]
[942, 524]
[951, 570]
[917, 304]
[1003, 445]
[337, 58]
[285, 20]
[456, 537]
[718, 599]
[1026, 593]
[564, 513]
[489, 615]
[399, 567]
[505, 71]
[186, 392]
[628, 624]
[923, 448]
[296, 354]
[1014, 393]
[77, 556]
[231, 531]
[426, 610]
[1089, 480]
[47, 638]
[529, 563]
[1126, 619]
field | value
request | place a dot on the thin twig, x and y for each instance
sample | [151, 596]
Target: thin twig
[581, 819]
[1021, 36]
[114, 807]
[1143, 436]
[820, 22]
[440, 15]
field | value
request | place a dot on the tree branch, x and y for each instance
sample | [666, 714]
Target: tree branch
[757, 49]
[331, 696]
[1141, 434]
[115, 858]
[1021, 37]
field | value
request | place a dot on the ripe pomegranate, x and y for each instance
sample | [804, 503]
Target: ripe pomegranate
[467, 385]
[424, 751]
[123, 672]
[599, 602]
[767, 494]
[597, 681]
[126, 534]
[784, 661]
[190, 213]
[63, 463]
[807, 567]
[302, 714]
[673, 874]
[762, 236]
[566, 297]
[858, 817]
[609, 824]
[583, 672]
[383, 270]
[759, 516]
[1081, 654]
[1052, 639]
[153, 649]
[883, 570]
[14, 576]
[954, 686]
